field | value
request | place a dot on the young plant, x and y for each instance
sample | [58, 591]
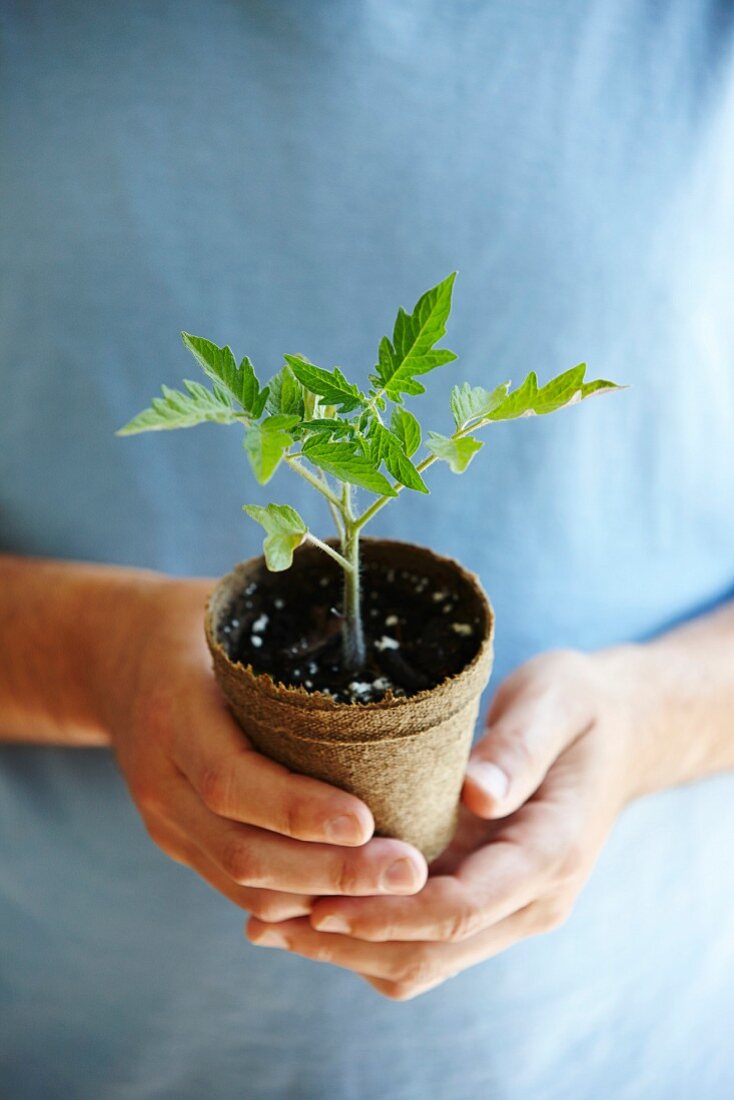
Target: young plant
[338, 437]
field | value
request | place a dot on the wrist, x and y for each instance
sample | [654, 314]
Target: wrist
[156, 625]
[58, 630]
[647, 684]
[114, 621]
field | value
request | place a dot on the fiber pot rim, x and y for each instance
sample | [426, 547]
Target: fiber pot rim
[298, 697]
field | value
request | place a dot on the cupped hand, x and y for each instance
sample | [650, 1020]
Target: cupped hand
[542, 790]
[266, 838]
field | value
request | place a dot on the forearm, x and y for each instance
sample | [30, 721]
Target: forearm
[62, 638]
[683, 695]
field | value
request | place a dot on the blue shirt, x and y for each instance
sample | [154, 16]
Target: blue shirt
[279, 176]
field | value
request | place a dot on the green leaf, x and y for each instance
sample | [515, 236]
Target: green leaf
[266, 443]
[344, 462]
[412, 350]
[385, 446]
[457, 452]
[567, 389]
[219, 365]
[285, 393]
[182, 410]
[474, 402]
[328, 426]
[285, 531]
[281, 422]
[407, 429]
[330, 385]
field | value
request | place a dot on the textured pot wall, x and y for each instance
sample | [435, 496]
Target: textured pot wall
[406, 757]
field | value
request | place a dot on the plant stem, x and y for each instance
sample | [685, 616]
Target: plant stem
[376, 412]
[341, 509]
[342, 561]
[336, 514]
[373, 509]
[352, 630]
[378, 504]
[313, 480]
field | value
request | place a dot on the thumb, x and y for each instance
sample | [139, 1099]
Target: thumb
[513, 758]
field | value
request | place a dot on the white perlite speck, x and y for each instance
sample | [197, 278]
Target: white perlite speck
[259, 625]
[438, 596]
[464, 629]
[382, 683]
[360, 687]
[386, 642]
[278, 603]
[391, 620]
[256, 640]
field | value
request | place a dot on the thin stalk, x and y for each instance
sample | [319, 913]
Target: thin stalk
[374, 508]
[378, 504]
[341, 508]
[313, 480]
[373, 407]
[342, 561]
[352, 629]
[336, 514]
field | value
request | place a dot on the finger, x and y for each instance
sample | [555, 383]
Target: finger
[541, 848]
[489, 886]
[237, 782]
[268, 905]
[256, 857]
[513, 758]
[540, 917]
[397, 991]
[410, 966]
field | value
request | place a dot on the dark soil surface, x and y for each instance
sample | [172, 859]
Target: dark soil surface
[289, 625]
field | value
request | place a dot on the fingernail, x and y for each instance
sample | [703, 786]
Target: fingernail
[333, 923]
[490, 778]
[271, 938]
[344, 829]
[400, 875]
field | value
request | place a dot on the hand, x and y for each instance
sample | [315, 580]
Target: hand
[269, 840]
[542, 791]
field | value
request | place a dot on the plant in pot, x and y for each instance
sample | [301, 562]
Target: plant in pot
[358, 661]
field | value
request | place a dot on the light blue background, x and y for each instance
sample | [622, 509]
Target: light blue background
[279, 176]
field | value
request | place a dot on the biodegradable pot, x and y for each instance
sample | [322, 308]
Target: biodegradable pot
[404, 757]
